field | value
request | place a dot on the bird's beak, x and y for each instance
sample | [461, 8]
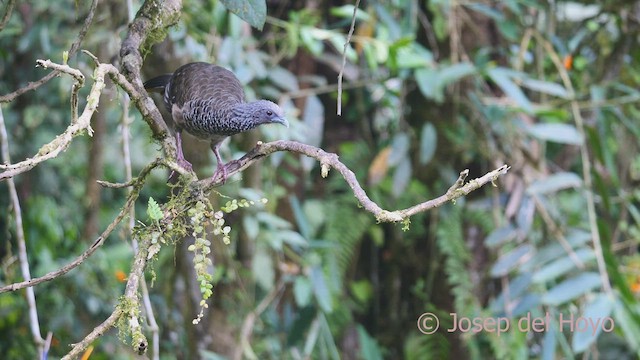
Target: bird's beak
[281, 120]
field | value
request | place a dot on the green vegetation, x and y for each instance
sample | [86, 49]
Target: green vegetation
[282, 262]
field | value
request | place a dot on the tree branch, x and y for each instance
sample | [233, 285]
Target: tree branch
[72, 52]
[139, 182]
[148, 27]
[330, 160]
[7, 14]
[34, 323]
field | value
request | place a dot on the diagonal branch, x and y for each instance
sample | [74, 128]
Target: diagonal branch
[83, 122]
[330, 160]
[137, 186]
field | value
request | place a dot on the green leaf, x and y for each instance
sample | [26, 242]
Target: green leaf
[575, 238]
[401, 177]
[503, 78]
[362, 291]
[252, 11]
[428, 143]
[262, 267]
[399, 149]
[572, 288]
[153, 210]
[292, 238]
[625, 320]
[560, 133]
[562, 265]
[369, 348]
[283, 78]
[312, 44]
[546, 87]
[555, 183]
[432, 82]
[302, 291]
[486, 10]
[320, 289]
[511, 259]
[596, 314]
[346, 11]
[501, 235]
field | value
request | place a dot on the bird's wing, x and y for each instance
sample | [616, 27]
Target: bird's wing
[204, 82]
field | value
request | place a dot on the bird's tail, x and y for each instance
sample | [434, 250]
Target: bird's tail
[158, 83]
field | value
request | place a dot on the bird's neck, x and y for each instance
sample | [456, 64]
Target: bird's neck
[243, 115]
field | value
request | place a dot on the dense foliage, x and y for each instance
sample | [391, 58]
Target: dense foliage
[429, 88]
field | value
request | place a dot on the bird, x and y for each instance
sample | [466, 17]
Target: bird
[208, 102]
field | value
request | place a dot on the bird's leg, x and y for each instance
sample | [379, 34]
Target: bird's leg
[221, 168]
[180, 156]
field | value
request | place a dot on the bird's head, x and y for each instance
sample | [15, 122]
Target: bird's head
[266, 112]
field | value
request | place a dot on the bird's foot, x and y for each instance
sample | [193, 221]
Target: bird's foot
[221, 171]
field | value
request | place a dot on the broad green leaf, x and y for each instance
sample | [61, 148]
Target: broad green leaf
[369, 348]
[428, 143]
[432, 82]
[625, 320]
[596, 316]
[320, 289]
[503, 78]
[292, 238]
[560, 133]
[452, 73]
[575, 238]
[262, 267]
[251, 226]
[546, 87]
[526, 304]
[401, 177]
[428, 83]
[515, 289]
[549, 344]
[346, 11]
[572, 288]
[399, 149]
[153, 210]
[413, 56]
[272, 221]
[283, 78]
[486, 10]
[338, 40]
[555, 183]
[362, 291]
[252, 11]
[302, 291]
[500, 236]
[563, 265]
[510, 260]
[314, 45]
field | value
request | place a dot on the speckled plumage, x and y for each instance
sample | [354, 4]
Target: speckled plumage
[208, 102]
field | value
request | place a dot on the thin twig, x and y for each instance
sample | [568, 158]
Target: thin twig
[329, 160]
[7, 14]
[97, 243]
[62, 141]
[586, 163]
[249, 321]
[126, 155]
[34, 323]
[344, 55]
[131, 295]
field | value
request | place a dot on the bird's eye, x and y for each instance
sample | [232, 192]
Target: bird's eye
[269, 112]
